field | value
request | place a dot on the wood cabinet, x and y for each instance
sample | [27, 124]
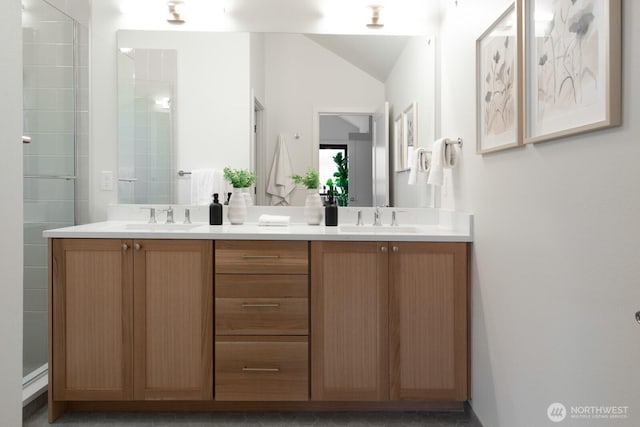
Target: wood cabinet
[389, 321]
[262, 321]
[131, 319]
[349, 347]
[173, 320]
[91, 320]
[428, 354]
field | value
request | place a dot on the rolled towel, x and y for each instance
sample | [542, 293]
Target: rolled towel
[274, 220]
[420, 163]
[451, 155]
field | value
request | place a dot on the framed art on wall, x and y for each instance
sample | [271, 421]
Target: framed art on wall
[572, 67]
[498, 83]
[399, 145]
[410, 131]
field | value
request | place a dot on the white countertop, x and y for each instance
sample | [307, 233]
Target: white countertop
[123, 230]
[416, 225]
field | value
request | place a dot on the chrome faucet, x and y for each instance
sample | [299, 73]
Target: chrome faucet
[169, 212]
[152, 215]
[376, 217]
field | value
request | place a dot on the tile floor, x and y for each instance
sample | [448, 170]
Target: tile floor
[201, 419]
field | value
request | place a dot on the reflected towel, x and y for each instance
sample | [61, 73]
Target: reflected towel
[421, 162]
[205, 182]
[274, 220]
[280, 185]
[437, 162]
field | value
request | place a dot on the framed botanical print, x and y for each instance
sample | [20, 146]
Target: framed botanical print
[498, 83]
[400, 151]
[572, 67]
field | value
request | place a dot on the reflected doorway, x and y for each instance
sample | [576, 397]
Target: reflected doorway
[349, 134]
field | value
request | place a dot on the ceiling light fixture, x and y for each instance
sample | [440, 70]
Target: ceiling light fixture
[375, 18]
[175, 12]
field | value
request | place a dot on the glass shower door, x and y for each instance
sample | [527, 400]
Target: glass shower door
[50, 101]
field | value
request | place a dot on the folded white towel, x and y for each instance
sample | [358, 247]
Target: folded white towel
[274, 220]
[280, 185]
[205, 182]
[420, 163]
[437, 162]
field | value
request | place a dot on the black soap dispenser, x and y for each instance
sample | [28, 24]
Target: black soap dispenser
[331, 210]
[215, 211]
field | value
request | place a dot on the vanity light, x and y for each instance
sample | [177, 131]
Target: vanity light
[175, 12]
[375, 18]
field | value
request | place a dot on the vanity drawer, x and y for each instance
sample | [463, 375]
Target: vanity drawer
[262, 316]
[261, 368]
[262, 286]
[266, 257]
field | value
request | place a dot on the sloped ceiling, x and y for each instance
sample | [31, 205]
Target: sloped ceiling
[374, 54]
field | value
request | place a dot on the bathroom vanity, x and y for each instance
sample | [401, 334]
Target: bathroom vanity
[246, 317]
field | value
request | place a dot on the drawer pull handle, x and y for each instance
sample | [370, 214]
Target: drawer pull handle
[260, 256]
[249, 305]
[260, 369]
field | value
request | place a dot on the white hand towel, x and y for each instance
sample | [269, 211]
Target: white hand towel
[420, 163]
[437, 162]
[280, 185]
[202, 186]
[273, 220]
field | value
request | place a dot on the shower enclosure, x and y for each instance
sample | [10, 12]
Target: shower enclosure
[55, 97]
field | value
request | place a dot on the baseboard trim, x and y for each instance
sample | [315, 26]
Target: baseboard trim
[264, 406]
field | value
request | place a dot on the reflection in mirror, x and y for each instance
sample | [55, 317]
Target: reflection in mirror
[351, 135]
[147, 81]
[295, 78]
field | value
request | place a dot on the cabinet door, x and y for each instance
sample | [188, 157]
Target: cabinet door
[428, 321]
[173, 334]
[349, 347]
[91, 319]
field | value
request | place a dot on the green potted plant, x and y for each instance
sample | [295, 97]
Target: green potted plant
[241, 179]
[313, 203]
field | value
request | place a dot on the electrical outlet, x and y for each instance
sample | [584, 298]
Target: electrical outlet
[106, 180]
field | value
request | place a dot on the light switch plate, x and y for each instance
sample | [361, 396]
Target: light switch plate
[106, 180]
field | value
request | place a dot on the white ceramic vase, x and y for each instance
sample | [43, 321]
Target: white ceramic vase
[247, 196]
[313, 209]
[237, 211]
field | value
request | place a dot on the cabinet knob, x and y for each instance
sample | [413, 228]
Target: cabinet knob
[638, 316]
[137, 246]
[125, 247]
[383, 249]
[396, 249]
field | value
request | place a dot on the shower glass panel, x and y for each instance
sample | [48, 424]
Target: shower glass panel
[55, 97]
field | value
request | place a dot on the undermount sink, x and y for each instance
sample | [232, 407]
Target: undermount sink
[386, 229]
[162, 227]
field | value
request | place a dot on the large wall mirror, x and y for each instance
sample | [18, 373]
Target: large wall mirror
[194, 100]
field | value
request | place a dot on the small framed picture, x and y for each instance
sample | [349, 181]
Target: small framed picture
[410, 125]
[572, 67]
[498, 84]
[400, 151]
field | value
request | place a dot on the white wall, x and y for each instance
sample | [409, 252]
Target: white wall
[11, 223]
[303, 78]
[555, 256]
[413, 79]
